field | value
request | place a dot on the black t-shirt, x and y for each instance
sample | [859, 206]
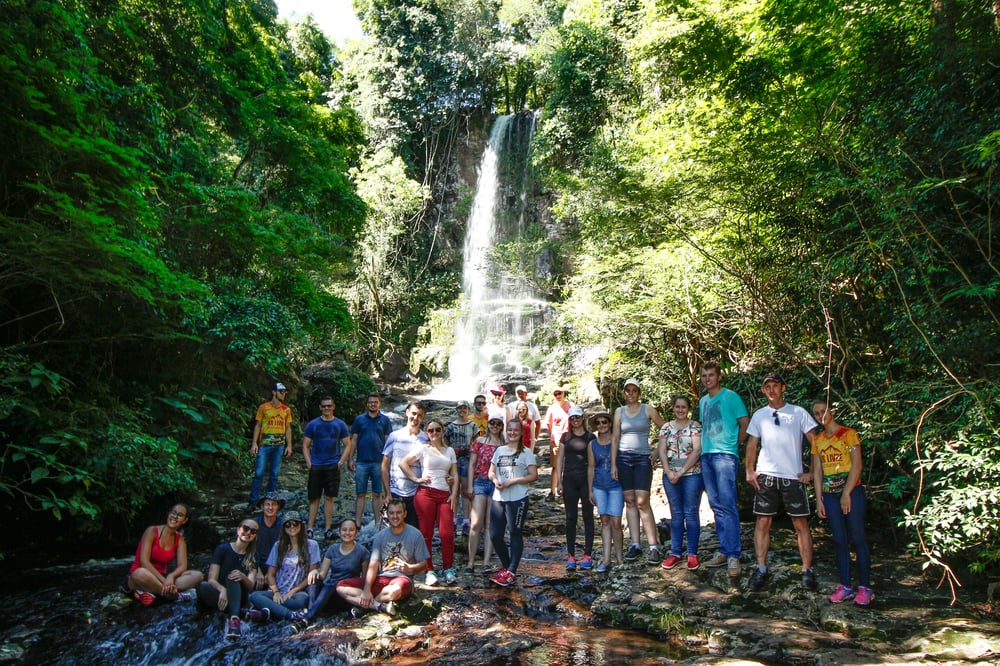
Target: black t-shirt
[266, 538]
[575, 454]
[228, 560]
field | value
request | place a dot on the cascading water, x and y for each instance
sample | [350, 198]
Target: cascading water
[499, 313]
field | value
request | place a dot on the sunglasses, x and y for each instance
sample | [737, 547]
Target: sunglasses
[326, 406]
[558, 393]
[248, 529]
[602, 422]
[576, 417]
[479, 402]
[777, 421]
[496, 423]
[293, 523]
[435, 430]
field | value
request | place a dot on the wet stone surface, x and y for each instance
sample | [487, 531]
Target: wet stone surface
[636, 613]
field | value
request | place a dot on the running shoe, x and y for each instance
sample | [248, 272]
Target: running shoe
[718, 560]
[431, 579]
[586, 562]
[503, 578]
[144, 598]
[758, 578]
[186, 595]
[310, 533]
[299, 615]
[570, 563]
[509, 577]
[466, 526]
[234, 628]
[864, 596]
[842, 593]
[329, 535]
[258, 614]
[448, 577]
[388, 607]
[653, 557]
[633, 552]
[809, 580]
[693, 563]
[602, 568]
[671, 562]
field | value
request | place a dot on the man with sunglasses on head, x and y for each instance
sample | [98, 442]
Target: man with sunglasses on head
[324, 440]
[272, 435]
[774, 468]
[401, 443]
[479, 414]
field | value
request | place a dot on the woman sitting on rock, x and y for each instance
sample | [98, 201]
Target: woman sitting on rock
[288, 567]
[160, 545]
[232, 575]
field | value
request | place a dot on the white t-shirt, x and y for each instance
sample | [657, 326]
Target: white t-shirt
[780, 449]
[511, 466]
[436, 464]
[533, 414]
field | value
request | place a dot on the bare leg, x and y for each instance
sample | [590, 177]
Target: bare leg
[616, 538]
[632, 514]
[359, 509]
[645, 511]
[762, 539]
[328, 512]
[606, 538]
[313, 509]
[480, 510]
[805, 540]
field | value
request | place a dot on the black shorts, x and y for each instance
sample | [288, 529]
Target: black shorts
[323, 479]
[775, 492]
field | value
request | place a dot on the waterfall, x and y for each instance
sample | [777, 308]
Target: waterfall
[499, 311]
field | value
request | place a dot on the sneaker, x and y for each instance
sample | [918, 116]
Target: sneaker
[509, 577]
[570, 563]
[298, 626]
[551, 497]
[653, 557]
[234, 628]
[388, 607]
[864, 596]
[299, 615]
[758, 578]
[257, 614]
[466, 526]
[718, 560]
[809, 580]
[358, 612]
[470, 570]
[733, 567]
[602, 568]
[842, 593]
[310, 533]
[693, 563]
[187, 595]
[449, 578]
[586, 562]
[329, 535]
[633, 552]
[144, 598]
[671, 562]
[500, 578]
[431, 579]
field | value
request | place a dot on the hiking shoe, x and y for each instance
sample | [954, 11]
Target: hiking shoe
[809, 581]
[733, 567]
[570, 563]
[653, 557]
[864, 596]
[693, 563]
[602, 568]
[310, 533]
[234, 628]
[257, 614]
[388, 607]
[633, 552]
[431, 579]
[586, 562]
[842, 593]
[144, 598]
[671, 562]
[448, 577]
[718, 560]
[329, 535]
[758, 578]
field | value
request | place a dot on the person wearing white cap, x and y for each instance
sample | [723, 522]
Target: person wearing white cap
[557, 421]
[272, 434]
[632, 459]
[572, 466]
[522, 399]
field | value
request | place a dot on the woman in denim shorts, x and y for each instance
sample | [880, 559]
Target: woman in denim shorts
[605, 490]
[480, 455]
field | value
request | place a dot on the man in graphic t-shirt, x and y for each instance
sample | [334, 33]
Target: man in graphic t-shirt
[272, 435]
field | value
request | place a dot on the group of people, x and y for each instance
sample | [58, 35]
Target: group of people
[423, 472]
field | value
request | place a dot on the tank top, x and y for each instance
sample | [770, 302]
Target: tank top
[634, 431]
[575, 454]
[158, 556]
[602, 466]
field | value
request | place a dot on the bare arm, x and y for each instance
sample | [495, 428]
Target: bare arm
[255, 438]
[751, 463]
[306, 449]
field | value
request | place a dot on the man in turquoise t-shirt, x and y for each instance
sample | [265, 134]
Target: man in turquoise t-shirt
[724, 422]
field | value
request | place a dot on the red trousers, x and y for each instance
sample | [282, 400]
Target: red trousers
[434, 506]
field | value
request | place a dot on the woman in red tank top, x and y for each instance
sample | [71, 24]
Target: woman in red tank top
[160, 545]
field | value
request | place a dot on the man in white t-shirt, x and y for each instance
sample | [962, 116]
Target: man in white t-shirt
[533, 413]
[774, 468]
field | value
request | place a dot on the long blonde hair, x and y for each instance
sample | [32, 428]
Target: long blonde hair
[520, 436]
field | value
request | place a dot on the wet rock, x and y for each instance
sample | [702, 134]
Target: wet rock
[960, 642]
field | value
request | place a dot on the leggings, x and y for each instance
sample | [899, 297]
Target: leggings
[434, 506]
[327, 592]
[265, 599]
[503, 514]
[208, 596]
[575, 491]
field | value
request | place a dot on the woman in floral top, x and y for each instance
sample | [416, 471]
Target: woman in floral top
[680, 455]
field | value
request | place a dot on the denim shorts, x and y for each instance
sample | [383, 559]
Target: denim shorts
[363, 471]
[463, 468]
[482, 486]
[610, 502]
[635, 471]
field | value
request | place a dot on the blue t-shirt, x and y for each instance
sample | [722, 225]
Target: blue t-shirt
[343, 566]
[372, 433]
[720, 429]
[326, 439]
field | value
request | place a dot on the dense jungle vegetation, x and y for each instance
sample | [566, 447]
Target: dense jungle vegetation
[198, 198]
